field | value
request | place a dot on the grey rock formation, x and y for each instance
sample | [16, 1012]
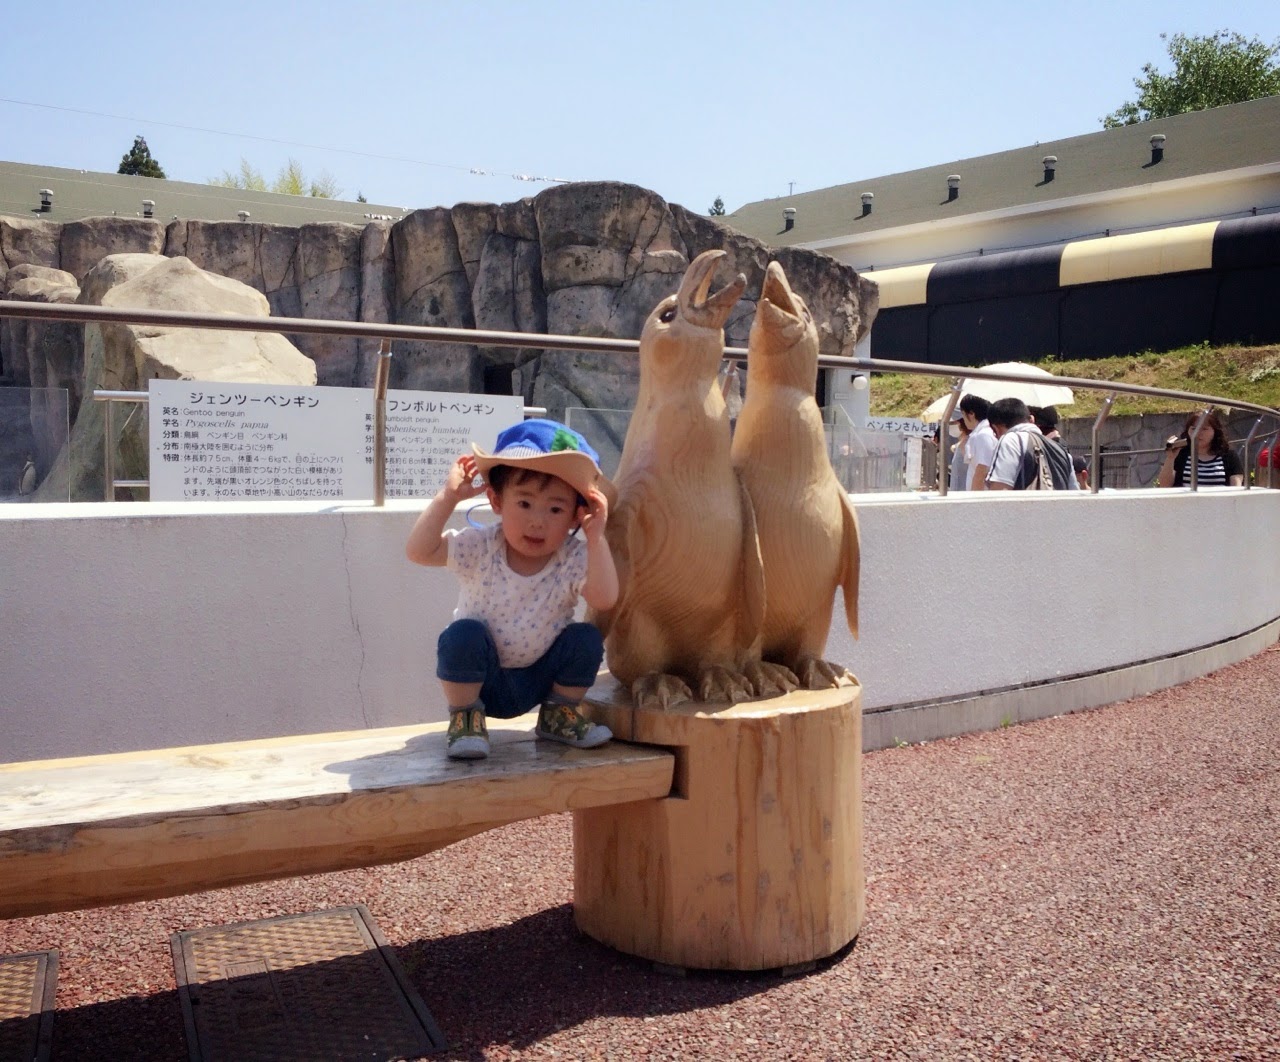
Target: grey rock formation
[518, 220]
[262, 256]
[28, 241]
[580, 259]
[134, 354]
[22, 341]
[85, 243]
[431, 289]
[114, 270]
[508, 297]
[472, 224]
[604, 234]
[43, 356]
[125, 357]
[329, 276]
[377, 293]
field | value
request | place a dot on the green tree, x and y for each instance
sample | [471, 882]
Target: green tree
[717, 208]
[1209, 71]
[138, 162]
[250, 179]
[291, 180]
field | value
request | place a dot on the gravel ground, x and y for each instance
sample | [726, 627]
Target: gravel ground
[1101, 885]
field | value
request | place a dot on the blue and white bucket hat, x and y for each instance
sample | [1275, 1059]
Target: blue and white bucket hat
[551, 447]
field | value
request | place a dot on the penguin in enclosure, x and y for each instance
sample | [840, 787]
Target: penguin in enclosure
[683, 536]
[27, 480]
[808, 530]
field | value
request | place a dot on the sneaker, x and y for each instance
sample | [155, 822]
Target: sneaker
[468, 735]
[564, 723]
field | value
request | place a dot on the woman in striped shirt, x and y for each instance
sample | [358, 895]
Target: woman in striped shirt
[1216, 464]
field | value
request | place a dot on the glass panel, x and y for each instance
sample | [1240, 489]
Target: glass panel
[33, 433]
[864, 461]
[604, 429]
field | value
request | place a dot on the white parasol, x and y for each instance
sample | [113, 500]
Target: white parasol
[1041, 391]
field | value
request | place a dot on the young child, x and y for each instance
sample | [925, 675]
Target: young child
[513, 643]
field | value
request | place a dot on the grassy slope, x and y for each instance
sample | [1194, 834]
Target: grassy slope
[1251, 374]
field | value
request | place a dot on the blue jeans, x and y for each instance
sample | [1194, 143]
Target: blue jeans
[466, 653]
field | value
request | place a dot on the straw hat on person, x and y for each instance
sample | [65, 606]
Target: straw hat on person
[551, 447]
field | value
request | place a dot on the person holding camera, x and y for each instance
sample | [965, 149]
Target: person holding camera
[1216, 463]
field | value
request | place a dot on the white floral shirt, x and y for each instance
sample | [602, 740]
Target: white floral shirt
[524, 613]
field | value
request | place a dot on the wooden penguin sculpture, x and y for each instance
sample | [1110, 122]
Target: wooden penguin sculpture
[807, 526]
[691, 595]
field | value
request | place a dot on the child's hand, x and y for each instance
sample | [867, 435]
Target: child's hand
[461, 482]
[594, 515]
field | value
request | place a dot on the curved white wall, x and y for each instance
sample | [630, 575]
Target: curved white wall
[140, 626]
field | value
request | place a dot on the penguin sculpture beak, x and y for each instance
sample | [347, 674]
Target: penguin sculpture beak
[696, 306]
[777, 307]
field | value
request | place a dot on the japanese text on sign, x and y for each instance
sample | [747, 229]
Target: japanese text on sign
[219, 442]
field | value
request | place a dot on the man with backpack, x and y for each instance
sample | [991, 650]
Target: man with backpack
[1024, 458]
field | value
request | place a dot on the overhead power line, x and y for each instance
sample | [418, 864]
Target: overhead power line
[476, 170]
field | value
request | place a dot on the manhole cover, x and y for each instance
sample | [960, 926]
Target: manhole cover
[27, 986]
[318, 987]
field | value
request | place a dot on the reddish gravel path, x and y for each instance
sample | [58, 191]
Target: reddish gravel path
[1097, 886]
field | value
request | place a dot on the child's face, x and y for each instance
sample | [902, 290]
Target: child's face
[537, 517]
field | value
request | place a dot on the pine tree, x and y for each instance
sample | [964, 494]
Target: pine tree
[717, 208]
[138, 162]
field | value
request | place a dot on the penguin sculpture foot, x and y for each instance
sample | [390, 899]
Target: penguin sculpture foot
[720, 684]
[771, 680]
[656, 690]
[815, 674]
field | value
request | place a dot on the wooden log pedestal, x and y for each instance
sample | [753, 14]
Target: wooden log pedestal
[755, 860]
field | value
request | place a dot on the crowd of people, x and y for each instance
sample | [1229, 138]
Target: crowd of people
[1008, 445]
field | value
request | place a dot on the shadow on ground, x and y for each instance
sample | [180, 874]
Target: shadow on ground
[520, 983]
[513, 985]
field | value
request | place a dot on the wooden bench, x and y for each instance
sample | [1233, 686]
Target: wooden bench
[116, 828]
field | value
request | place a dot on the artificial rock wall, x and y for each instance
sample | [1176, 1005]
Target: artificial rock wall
[578, 259]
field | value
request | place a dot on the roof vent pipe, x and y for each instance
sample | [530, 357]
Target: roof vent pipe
[788, 218]
[1157, 147]
[46, 200]
[867, 199]
[1050, 165]
[148, 208]
[953, 187]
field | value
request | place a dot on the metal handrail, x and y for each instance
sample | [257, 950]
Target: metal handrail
[484, 337]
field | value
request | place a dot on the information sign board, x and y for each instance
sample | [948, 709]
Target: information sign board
[222, 442]
[901, 425]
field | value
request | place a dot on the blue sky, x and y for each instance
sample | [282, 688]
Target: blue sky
[401, 101]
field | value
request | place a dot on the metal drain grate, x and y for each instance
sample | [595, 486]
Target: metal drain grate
[27, 986]
[318, 987]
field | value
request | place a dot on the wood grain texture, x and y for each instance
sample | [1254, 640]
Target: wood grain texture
[808, 531]
[692, 595]
[755, 861]
[116, 828]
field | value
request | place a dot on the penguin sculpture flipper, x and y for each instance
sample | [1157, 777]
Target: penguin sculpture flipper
[852, 543]
[751, 614]
[766, 679]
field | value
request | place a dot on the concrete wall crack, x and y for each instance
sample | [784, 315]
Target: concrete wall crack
[355, 622]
